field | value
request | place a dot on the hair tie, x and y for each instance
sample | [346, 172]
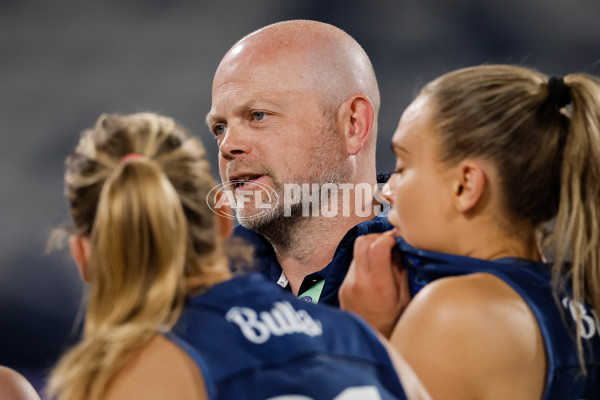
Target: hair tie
[559, 94]
[129, 157]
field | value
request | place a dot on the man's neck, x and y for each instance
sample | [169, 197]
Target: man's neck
[305, 245]
[310, 246]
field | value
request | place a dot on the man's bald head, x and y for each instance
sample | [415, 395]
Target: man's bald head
[319, 55]
[296, 101]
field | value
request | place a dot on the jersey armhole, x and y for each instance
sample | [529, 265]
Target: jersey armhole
[197, 358]
[539, 317]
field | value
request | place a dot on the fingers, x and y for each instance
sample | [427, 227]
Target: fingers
[357, 283]
[370, 250]
[404, 290]
[347, 287]
[361, 251]
[373, 280]
[380, 254]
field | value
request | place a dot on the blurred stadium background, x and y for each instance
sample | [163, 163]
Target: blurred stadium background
[63, 63]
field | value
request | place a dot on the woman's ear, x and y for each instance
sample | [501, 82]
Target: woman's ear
[357, 117]
[80, 251]
[468, 186]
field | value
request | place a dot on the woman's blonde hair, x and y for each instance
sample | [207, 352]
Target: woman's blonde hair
[137, 187]
[546, 147]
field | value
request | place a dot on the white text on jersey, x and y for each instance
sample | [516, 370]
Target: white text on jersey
[283, 319]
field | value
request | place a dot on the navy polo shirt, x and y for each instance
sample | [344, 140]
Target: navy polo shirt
[334, 273]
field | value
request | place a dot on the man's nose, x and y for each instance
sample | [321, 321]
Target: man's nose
[235, 143]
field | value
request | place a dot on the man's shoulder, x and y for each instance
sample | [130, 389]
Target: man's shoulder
[383, 177]
[378, 224]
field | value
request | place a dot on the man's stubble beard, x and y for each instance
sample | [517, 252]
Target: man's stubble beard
[327, 165]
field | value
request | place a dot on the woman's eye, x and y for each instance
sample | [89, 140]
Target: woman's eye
[258, 115]
[398, 170]
[218, 129]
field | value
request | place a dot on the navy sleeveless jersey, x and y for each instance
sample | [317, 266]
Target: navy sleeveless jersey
[251, 340]
[556, 320]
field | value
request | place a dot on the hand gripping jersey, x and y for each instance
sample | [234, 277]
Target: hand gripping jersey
[532, 281]
[251, 340]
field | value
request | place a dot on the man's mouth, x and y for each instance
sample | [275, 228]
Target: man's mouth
[244, 180]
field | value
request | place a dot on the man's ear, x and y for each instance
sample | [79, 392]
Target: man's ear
[357, 117]
[468, 185]
[80, 247]
[224, 220]
[224, 224]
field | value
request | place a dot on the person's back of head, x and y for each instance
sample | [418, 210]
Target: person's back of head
[138, 189]
[14, 386]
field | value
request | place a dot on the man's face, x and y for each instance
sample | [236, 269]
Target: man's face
[272, 129]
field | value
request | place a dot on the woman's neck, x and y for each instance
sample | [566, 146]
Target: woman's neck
[494, 241]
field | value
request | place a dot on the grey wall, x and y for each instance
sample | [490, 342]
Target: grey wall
[63, 63]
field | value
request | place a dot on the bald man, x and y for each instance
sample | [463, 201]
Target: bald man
[294, 111]
[13, 386]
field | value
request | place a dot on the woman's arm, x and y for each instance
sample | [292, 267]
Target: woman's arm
[412, 385]
[473, 337]
[13, 386]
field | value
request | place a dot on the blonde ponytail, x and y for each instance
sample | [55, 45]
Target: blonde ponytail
[137, 266]
[577, 229]
[149, 227]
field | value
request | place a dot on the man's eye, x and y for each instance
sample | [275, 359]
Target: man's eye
[258, 115]
[218, 129]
